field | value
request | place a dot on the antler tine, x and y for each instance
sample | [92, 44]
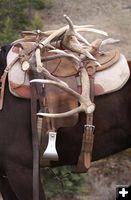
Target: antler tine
[48, 58]
[65, 54]
[65, 114]
[59, 84]
[87, 107]
[91, 30]
[50, 76]
[71, 26]
[109, 41]
[72, 29]
[48, 33]
[52, 36]
[81, 38]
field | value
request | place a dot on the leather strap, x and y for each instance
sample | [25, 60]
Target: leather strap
[2, 89]
[84, 160]
[85, 156]
[35, 142]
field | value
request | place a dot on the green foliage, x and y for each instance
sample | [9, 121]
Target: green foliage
[62, 182]
[37, 4]
[18, 15]
[35, 23]
[16, 11]
[6, 35]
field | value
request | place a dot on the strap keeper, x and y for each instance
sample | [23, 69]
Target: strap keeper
[89, 127]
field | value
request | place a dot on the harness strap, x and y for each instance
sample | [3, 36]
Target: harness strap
[85, 156]
[2, 89]
[35, 143]
[84, 159]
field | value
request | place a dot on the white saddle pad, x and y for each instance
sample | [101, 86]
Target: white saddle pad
[19, 84]
[113, 78]
[106, 81]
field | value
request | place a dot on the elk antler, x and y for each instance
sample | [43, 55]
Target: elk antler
[37, 65]
[48, 33]
[65, 54]
[109, 41]
[86, 105]
[52, 36]
[71, 42]
[71, 31]
[88, 29]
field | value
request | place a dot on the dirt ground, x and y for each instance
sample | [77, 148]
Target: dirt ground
[114, 17]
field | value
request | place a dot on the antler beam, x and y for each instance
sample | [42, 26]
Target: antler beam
[86, 105]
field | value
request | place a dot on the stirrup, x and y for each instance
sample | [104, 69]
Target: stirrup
[50, 152]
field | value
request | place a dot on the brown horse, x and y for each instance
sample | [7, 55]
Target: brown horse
[15, 145]
[112, 119]
[112, 128]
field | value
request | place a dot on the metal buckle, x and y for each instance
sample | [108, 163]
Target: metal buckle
[88, 126]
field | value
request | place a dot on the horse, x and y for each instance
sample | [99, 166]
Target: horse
[11, 162]
[112, 134]
[112, 128]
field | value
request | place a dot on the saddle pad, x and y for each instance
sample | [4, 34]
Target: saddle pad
[106, 81]
[18, 79]
[113, 78]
